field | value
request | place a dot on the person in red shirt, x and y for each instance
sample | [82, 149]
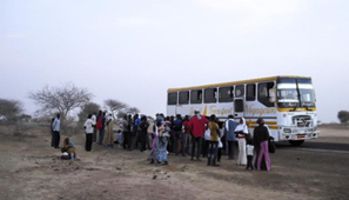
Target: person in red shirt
[198, 125]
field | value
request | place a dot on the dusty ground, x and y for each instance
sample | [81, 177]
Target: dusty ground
[30, 169]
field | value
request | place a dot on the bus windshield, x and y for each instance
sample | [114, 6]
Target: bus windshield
[307, 97]
[295, 93]
[287, 98]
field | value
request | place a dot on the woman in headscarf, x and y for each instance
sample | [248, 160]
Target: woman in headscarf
[241, 132]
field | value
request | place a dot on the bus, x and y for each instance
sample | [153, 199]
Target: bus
[286, 103]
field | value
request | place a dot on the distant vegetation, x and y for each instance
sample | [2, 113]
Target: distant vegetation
[343, 116]
[119, 109]
[89, 108]
[11, 110]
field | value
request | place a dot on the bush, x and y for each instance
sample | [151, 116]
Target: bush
[343, 116]
[10, 110]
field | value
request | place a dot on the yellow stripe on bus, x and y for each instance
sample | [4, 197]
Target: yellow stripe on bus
[266, 122]
[297, 109]
[256, 125]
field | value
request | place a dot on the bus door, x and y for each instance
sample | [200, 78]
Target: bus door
[239, 101]
[238, 108]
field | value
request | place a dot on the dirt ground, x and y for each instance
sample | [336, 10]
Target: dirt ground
[30, 169]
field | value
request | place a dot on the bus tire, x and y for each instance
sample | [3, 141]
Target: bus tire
[296, 143]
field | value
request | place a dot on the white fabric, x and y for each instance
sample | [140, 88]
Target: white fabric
[89, 126]
[220, 144]
[221, 132]
[242, 157]
[250, 149]
[242, 127]
[207, 135]
[56, 126]
[94, 119]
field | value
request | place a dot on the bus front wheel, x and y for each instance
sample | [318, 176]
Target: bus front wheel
[296, 143]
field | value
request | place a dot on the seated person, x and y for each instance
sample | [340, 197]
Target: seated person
[68, 150]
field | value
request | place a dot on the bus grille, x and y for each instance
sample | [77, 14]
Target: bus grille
[302, 121]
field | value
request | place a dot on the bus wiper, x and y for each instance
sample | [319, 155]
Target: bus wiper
[295, 108]
[298, 95]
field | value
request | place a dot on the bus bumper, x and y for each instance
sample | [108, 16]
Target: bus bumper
[299, 134]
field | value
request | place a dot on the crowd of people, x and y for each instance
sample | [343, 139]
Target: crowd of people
[197, 137]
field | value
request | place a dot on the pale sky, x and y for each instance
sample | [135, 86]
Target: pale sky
[135, 50]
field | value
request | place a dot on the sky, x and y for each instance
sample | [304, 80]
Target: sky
[135, 50]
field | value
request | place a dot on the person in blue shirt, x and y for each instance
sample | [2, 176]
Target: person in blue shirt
[230, 126]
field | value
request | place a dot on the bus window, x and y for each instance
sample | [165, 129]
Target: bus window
[172, 98]
[251, 92]
[226, 94]
[210, 95]
[265, 94]
[239, 91]
[184, 97]
[196, 97]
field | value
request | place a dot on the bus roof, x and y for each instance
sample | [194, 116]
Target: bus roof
[226, 84]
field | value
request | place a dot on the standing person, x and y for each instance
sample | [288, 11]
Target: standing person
[100, 125]
[169, 124]
[109, 137]
[198, 125]
[150, 133]
[186, 135]
[242, 131]
[164, 135]
[230, 126]
[56, 127]
[94, 135]
[222, 140]
[250, 151]
[88, 126]
[125, 132]
[261, 138]
[178, 134]
[130, 132]
[143, 127]
[52, 133]
[135, 131]
[153, 156]
[213, 143]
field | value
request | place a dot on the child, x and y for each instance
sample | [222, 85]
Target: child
[249, 150]
[68, 150]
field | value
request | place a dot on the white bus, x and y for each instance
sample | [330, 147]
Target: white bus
[286, 103]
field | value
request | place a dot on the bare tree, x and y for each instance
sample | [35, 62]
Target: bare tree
[61, 99]
[10, 109]
[115, 105]
[133, 110]
[119, 108]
